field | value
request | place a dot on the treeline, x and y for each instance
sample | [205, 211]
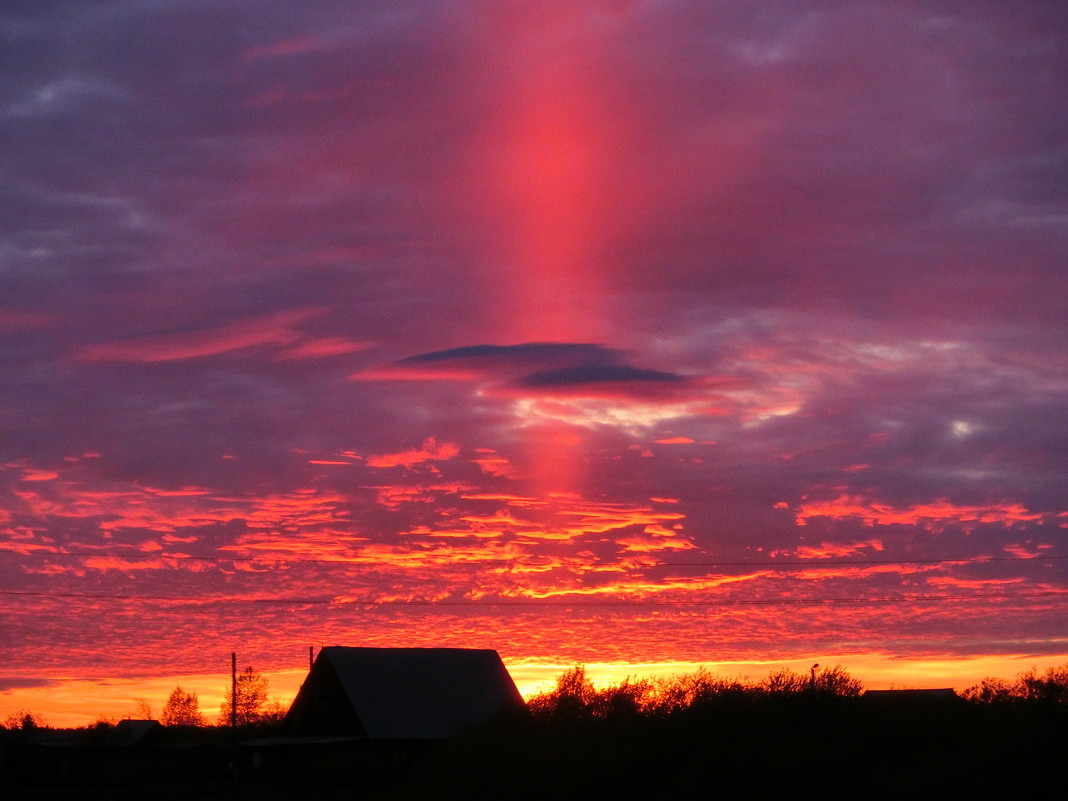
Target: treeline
[1028, 687]
[788, 735]
[576, 696]
[253, 708]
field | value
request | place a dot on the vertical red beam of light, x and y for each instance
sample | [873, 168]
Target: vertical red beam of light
[548, 169]
[549, 165]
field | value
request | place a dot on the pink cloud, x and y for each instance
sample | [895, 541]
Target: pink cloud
[321, 348]
[293, 46]
[274, 329]
[13, 320]
[939, 511]
[39, 475]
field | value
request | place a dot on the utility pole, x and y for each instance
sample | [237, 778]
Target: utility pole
[233, 691]
[311, 657]
[233, 715]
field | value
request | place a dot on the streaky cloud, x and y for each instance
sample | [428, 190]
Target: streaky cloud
[472, 362]
[524, 352]
[274, 329]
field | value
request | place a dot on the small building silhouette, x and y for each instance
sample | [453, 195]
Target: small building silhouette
[401, 694]
[909, 697]
[133, 733]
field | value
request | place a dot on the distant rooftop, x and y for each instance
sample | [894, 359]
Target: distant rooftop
[907, 696]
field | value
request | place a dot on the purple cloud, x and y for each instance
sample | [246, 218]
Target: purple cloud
[757, 269]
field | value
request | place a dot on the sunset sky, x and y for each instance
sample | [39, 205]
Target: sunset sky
[662, 331]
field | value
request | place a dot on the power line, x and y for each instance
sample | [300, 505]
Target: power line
[344, 562]
[539, 602]
[837, 562]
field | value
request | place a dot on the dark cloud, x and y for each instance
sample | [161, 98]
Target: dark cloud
[8, 683]
[597, 374]
[495, 362]
[605, 381]
[522, 355]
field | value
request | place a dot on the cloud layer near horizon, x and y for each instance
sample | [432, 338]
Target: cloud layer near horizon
[608, 330]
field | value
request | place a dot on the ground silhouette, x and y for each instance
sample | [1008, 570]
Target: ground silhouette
[801, 735]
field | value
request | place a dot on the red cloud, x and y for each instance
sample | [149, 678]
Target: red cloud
[320, 348]
[431, 451]
[828, 550]
[942, 510]
[274, 329]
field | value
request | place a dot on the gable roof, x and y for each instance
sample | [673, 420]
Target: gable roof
[401, 693]
[129, 733]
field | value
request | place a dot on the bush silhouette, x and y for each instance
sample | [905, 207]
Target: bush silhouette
[576, 697]
[1027, 688]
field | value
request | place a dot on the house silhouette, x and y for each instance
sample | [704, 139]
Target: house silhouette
[911, 697]
[401, 693]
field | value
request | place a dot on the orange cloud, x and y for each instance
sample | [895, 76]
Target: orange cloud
[516, 500]
[325, 544]
[953, 583]
[645, 587]
[493, 464]
[118, 563]
[940, 511]
[395, 496]
[638, 542]
[1026, 550]
[431, 451]
[828, 550]
[22, 540]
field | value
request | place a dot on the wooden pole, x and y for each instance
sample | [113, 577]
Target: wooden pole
[233, 690]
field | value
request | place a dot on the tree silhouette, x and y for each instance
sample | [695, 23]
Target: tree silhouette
[572, 697]
[182, 709]
[144, 709]
[251, 697]
[820, 681]
[576, 697]
[785, 682]
[1027, 687]
[273, 711]
[25, 720]
[835, 681]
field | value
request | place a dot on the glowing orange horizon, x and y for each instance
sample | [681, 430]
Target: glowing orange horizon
[71, 702]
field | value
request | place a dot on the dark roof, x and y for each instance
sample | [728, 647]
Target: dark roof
[401, 693]
[921, 696]
[129, 733]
